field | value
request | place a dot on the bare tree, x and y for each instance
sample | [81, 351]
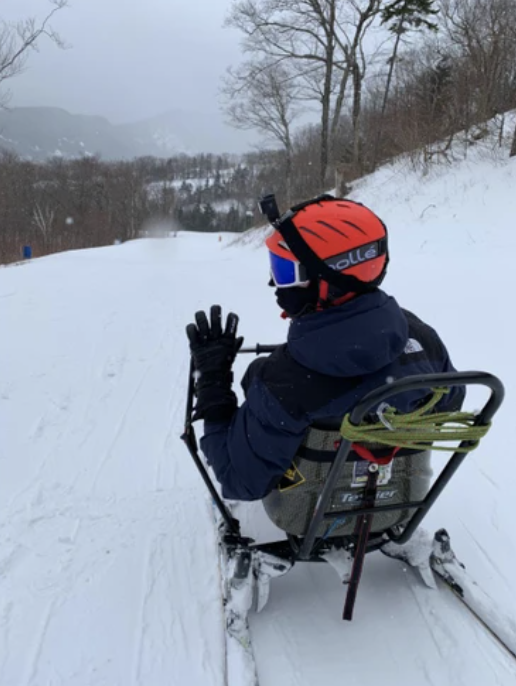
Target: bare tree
[264, 96]
[301, 34]
[19, 38]
[348, 154]
[483, 34]
[353, 25]
[43, 218]
[513, 146]
[321, 41]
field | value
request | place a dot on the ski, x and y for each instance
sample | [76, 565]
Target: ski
[454, 574]
[433, 557]
[246, 575]
[238, 599]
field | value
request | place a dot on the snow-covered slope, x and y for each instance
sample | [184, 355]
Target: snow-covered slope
[108, 564]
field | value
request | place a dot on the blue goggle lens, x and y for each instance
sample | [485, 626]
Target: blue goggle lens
[287, 272]
[283, 270]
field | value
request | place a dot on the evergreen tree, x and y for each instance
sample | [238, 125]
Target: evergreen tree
[402, 16]
[409, 14]
[209, 218]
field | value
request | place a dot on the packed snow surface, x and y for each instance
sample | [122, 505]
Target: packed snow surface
[108, 557]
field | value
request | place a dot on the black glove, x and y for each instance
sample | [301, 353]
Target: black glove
[213, 353]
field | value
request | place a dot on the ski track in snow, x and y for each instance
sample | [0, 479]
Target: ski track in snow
[102, 502]
[108, 556]
[121, 425]
[35, 652]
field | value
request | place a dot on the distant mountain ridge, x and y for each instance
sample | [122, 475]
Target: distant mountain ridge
[38, 133]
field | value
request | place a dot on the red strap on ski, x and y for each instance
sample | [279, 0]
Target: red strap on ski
[366, 454]
[362, 531]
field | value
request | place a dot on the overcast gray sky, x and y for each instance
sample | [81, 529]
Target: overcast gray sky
[129, 59]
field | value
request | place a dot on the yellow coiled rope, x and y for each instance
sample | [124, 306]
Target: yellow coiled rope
[416, 430]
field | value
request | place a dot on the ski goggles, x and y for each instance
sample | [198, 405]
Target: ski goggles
[287, 273]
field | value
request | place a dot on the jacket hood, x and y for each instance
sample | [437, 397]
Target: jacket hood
[354, 339]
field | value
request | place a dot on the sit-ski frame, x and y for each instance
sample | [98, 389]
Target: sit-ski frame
[309, 547]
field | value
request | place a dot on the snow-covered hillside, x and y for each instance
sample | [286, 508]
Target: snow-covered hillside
[108, 563]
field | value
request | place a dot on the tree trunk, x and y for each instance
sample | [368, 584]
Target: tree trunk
[335, 124]
[357, 107]
[326, 99]
[324, 142]
[288, 172]
[350, 70]
[343, 174]
[387, 91]
[513, 146]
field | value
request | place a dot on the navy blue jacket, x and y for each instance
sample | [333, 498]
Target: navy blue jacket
[330, 361]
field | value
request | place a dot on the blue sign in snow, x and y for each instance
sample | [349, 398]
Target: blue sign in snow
[27, 252]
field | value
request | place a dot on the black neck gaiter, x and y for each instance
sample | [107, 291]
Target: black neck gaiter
[297, 301]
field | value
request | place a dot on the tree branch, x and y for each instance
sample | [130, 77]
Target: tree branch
[16, 40]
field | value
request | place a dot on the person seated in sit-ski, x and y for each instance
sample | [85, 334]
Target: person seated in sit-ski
[343, 341]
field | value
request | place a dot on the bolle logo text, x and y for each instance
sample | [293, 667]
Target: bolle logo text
[353, 257]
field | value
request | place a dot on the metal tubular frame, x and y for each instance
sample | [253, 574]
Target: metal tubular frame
[190, 440]
[369, 403]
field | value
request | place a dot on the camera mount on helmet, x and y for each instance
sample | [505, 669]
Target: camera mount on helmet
[269, 207]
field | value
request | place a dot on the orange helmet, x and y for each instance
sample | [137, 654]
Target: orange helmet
[339, 242]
